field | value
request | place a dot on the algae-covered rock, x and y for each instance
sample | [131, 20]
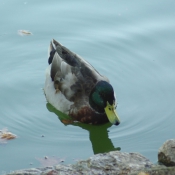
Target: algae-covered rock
[166, 154]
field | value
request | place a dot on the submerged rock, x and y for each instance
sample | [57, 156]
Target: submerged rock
[166, 154]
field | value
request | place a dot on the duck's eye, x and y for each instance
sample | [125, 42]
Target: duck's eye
[110, 109]
[102, 95]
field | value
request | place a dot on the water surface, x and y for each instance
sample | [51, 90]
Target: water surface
[132, 43]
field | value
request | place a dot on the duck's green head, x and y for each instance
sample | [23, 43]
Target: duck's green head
[102, 100]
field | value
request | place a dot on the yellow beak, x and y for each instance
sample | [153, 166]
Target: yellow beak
[112, 114]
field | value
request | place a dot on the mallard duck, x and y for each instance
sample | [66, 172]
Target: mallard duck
[75, 88]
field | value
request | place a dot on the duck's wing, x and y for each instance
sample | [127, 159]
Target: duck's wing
[74, 60]
[72, 75]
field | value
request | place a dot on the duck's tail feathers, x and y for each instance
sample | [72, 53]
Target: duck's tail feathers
[68, 56]
[51, 52]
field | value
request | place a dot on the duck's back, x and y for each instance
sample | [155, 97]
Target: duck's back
[74, 60]
[70, 67]
[69, 80]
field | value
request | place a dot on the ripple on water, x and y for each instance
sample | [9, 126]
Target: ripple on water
[131, 43]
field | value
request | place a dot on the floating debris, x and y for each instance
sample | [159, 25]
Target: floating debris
[61, 161]
[6, 135]
[24, 32]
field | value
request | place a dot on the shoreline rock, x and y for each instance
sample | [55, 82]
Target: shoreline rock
[166, 154]
[112, 163]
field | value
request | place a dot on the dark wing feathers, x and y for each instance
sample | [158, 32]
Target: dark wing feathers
[55, 66]
[68, 56]
[71, 74]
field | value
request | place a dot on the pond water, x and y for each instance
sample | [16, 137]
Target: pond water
[130, 42]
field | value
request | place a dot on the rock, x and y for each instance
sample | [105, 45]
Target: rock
[114, 162]
[32, 171]
[166, 154]
[156, 170]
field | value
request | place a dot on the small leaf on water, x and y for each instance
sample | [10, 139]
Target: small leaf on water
[24, 32]
[6, 135]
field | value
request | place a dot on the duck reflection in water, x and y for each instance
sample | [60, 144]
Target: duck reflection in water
[98, 134]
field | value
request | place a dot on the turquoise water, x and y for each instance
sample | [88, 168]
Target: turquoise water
[131, 42]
